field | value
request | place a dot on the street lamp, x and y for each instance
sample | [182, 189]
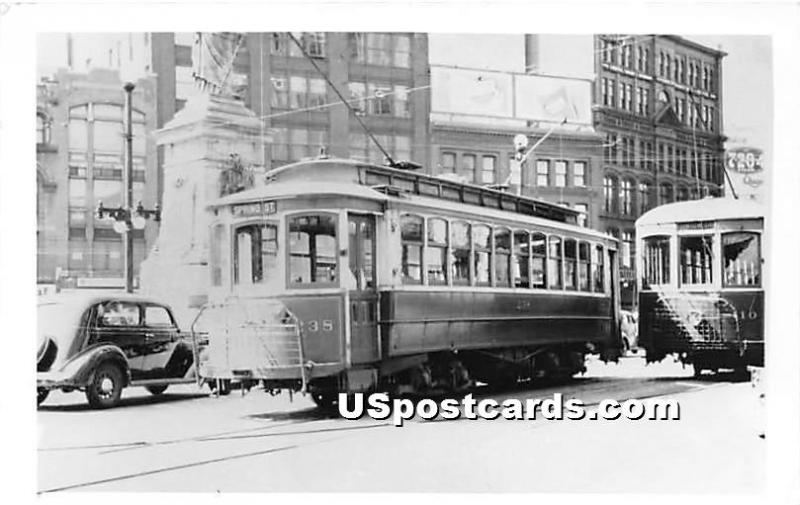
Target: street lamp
[127, 218]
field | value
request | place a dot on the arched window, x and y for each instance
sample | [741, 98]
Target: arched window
[436, 252]
[665, 193]
[683, 194]
[411, 240]
[502, 256]
[644, 197]
[610, 194]
[626, 196]
[460, 253]
[482, 244]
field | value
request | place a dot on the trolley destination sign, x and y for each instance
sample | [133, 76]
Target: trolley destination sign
[255, 209]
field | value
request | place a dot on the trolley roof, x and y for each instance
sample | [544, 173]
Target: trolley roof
[707, 209]
[343, 176]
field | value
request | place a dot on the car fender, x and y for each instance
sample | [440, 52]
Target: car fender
[80, 368]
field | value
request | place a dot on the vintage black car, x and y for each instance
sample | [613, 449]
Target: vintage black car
[101, 344]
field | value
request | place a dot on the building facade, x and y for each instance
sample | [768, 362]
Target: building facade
[658, 104]
[384, 77]
[80, 160]
[487, 89]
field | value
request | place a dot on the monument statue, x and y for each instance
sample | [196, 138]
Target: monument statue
[213, 56]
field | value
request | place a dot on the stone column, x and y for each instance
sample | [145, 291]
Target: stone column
[197, 143]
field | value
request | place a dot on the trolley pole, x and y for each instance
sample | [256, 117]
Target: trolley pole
[128, 201]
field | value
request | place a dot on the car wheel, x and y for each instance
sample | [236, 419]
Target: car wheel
[105, 388]
[41, 395]
[157, 390]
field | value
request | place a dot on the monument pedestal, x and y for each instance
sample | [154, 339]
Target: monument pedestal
[198, 144]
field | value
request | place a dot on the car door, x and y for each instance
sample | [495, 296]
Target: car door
[167, 355]
[120, 323]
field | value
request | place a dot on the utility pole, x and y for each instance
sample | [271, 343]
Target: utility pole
[128, 178]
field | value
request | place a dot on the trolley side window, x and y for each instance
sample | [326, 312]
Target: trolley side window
[312, 250]
[255, 251]
[459, 253]
[656, 261]
[482, 242]
[538, 259]
[695, 260]
[520, 262]
[554, 263]
[598, 268]
[411, 238]
[583, 267]
[436, 252]
[570, 264]
[741, 256]
[502, 256]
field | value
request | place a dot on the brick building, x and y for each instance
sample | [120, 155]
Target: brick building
[658, 103]
[385, 77]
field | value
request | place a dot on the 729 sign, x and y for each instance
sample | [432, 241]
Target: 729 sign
[744, 160]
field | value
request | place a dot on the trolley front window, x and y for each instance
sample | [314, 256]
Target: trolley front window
[695, 260]
[411, 238]
[312, 250]
[741, 256]
[255, 252]
[656, 261]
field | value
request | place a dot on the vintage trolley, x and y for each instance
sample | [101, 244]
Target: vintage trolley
[701, 293]
[340, 276]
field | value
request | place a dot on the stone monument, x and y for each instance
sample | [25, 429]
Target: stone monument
[210, 143]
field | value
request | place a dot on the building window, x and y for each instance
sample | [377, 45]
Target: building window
[402, 50]
[629, 97]
[644, 197]
[609, 194]
[621, 103]
[542, 172]
[468, 167]
[584, 213]
[741, 259]
[279, 99]
[605, 92]
[579, 174]
[611, 86]
[625, 196]
[665, 196]
[379, 49]
[380, 99]
[640, 59]
[482, 244]
[401, 103]
[560, 174]
[448, 162]
[488, 169]
[42, 129]
[411, 239]
[683, 194]
[667, 66]
[646, 101]
[436, 252]
[696, 260]
[502, 257]
[627, 253]
[656, 261]
[554, 263]
[312, 250]
[298, 92]
[313, 43]
[317, 92]
[460, 253]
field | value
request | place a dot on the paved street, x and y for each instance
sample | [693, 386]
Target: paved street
[188, 441]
